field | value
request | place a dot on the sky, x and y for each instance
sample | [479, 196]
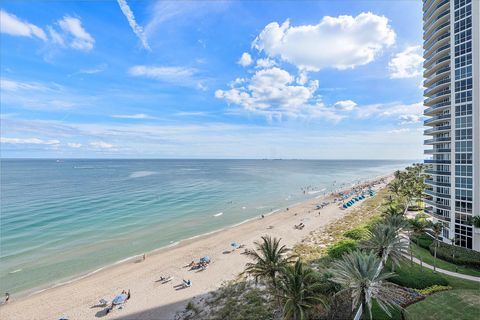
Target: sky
[213, 79]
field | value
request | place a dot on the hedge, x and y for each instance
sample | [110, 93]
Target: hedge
[435, 288]
[416, 278]
[463, 256]
[343, 246]
[358, 233]
[423, 241]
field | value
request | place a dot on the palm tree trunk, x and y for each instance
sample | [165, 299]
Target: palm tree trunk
[364, 306]
[411, 250]
[435, 256]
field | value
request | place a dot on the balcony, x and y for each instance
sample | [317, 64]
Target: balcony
[436, 204]
[438, 23]
[437, 65]
[437, 150]
[435, 43]
[428, 15]
[437, 161]
[437, 183]
[436, 85]
[437, 140]
[438, 129]
[441, 173]
[438, 107]
[436, 76]
[436, 215]
[434, 119]
[437, 194]
[428, 24]
[443, 50]
[436, 97]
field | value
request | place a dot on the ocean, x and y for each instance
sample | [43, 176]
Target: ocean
[64, 218]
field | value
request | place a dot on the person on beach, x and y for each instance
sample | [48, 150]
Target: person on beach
[128, 294]
[7, 297]
[143, 257]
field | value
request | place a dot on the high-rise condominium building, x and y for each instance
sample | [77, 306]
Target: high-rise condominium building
[451, 42]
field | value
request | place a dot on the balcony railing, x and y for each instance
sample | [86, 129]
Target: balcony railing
[436, 64]
[425, 18]
[436, 204]
[430, 29]
[435, 140]
[436, 129]
[436, 118]
[437, 150]
[435, 85]
[437, 183]
[437, 95]
[438, 161]
[443, 173]
[437, 106]
[428, 25]
[434, 42]
[432, 55]
[437, 73]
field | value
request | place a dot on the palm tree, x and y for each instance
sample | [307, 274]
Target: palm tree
[297, 289]
[397, 222]
[386, 241]
[361, 273]
[392, 210]
[418, 227]
[437, 229]
[269, 259]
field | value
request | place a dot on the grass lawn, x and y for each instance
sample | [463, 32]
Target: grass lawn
[420, 252]
[454, 304]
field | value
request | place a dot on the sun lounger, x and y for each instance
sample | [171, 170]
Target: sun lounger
[102, 302]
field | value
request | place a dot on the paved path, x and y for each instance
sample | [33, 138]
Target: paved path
[450, 273]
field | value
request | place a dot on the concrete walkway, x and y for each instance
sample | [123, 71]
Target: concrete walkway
[449, 273]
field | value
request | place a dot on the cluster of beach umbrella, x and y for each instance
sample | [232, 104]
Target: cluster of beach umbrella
[352, 201]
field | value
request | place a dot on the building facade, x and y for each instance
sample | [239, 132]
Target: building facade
[451, 40]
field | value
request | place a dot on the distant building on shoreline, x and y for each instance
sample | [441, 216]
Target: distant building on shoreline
[451, 39]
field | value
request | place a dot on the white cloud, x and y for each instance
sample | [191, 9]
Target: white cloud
[410, 118]
[406, 64]
[80, 39]
[191, 114]
[138, 30]
[345, 105]
[407, 113]
[101, 145]
[74, 145]
[265, 63]
[337, 42]
[401, 130]
[176, 75]
[245, 59]
[13, 85]
[275, 94]
[28, 141]
[132, 116]
[97, 69]
[11, 25]
[269, 88]
[55, 36]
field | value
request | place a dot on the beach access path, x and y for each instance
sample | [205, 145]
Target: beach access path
[150, 299]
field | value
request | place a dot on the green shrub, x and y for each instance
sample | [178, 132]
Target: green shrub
[416, 278]
[435, 288]
[358, 233]
[463, 256]
[423, 241]
[343, 246]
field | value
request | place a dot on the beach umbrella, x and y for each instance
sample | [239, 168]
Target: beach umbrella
[205, 259]
[119, 299]
[235, 245]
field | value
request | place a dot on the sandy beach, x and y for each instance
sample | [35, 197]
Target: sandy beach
[150, 299]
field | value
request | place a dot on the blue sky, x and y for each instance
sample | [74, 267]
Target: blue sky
[180, 79]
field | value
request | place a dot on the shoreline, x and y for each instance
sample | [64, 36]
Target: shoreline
[185, 244]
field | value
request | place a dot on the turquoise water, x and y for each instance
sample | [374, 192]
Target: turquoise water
[63, 218]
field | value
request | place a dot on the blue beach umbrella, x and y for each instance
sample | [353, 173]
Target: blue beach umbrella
[205, 259]
[119, 299]
[235, 245]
